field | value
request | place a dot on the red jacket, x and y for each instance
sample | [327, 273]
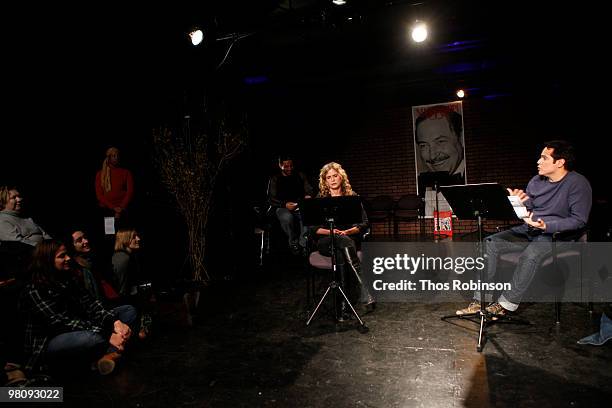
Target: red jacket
[122, 189]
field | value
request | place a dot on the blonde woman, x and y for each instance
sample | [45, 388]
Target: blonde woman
[114, 186]
[125, 265]
[334, 182]
[127, 273]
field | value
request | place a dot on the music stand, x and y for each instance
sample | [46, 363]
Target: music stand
[435, 179]
[332, 211]
[478, 202]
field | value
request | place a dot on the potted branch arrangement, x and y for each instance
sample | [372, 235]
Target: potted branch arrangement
[189, 167]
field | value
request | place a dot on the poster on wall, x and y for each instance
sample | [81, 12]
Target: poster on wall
[439, 150]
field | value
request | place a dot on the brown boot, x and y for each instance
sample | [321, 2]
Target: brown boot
[107, 363]
[14, 376]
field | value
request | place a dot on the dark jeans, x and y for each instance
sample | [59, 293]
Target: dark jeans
[291, 224]
[534, 247]
[78, 346]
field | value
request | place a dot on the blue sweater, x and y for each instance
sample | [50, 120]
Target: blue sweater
[563, 205]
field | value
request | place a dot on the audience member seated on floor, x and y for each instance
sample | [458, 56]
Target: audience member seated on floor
[334, 182]
[558, 199]
[65, 326]
[114, 188]
[285, 190]
[128, 277]
[90, 270]
[14, 226]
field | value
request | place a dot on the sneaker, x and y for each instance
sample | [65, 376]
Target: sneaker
[472, 308]
[496, 311]
[107, 363]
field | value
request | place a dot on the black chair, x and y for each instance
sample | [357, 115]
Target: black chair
[262, 231]
[409, 208]
[554, 259]
[380, 209]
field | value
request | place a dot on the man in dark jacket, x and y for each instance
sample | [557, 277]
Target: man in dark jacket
[286, 189]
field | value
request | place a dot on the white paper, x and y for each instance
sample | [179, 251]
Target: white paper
[519, 207]
[109, 225]
[430, 202]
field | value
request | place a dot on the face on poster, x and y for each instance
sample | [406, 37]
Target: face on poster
[439, 143]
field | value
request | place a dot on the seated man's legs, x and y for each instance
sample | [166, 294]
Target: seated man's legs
[538, 249]
[511, 240]
[288, 225]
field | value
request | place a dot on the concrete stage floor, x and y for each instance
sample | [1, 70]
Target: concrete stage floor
[250, 348]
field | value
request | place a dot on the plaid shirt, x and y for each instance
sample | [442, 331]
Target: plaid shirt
[58, 308]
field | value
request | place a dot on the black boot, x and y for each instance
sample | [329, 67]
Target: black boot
[350, 255]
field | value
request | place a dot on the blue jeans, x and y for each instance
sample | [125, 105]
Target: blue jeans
[84, 344]
[534, 247]
[291, 224]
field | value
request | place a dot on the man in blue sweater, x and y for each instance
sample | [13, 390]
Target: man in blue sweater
[558, 199]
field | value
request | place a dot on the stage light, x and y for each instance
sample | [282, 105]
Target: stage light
[419, 32]
[196, 36]
[339, 2]
[460, 93]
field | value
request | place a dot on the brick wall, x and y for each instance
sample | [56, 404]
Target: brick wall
[379, 152]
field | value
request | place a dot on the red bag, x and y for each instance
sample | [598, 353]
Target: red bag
[446, 223]
[109, 292]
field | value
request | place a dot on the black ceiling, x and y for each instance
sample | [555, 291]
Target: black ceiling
[103, 52]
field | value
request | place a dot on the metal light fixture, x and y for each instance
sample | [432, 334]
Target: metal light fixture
[196, 36]
[419, 32]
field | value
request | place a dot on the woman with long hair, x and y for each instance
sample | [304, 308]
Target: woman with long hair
[89, 269]
[128, 273]
[334, 182]
[114, 186]
[64, 324]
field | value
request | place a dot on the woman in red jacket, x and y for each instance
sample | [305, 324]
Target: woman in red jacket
[114, 186]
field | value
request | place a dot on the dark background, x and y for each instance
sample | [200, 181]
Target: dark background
[311, 82]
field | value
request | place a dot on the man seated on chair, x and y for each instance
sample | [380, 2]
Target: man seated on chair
[285, 190]
[558, 199]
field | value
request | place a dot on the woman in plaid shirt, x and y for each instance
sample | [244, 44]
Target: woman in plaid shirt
[64, 324]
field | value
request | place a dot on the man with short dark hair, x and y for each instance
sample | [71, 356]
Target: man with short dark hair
[558, 199]
[284, 191]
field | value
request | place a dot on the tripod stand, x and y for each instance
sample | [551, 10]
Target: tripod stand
[333, 285]
[476, 201]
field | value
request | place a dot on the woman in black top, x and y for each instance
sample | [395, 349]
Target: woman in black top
[334, 182]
